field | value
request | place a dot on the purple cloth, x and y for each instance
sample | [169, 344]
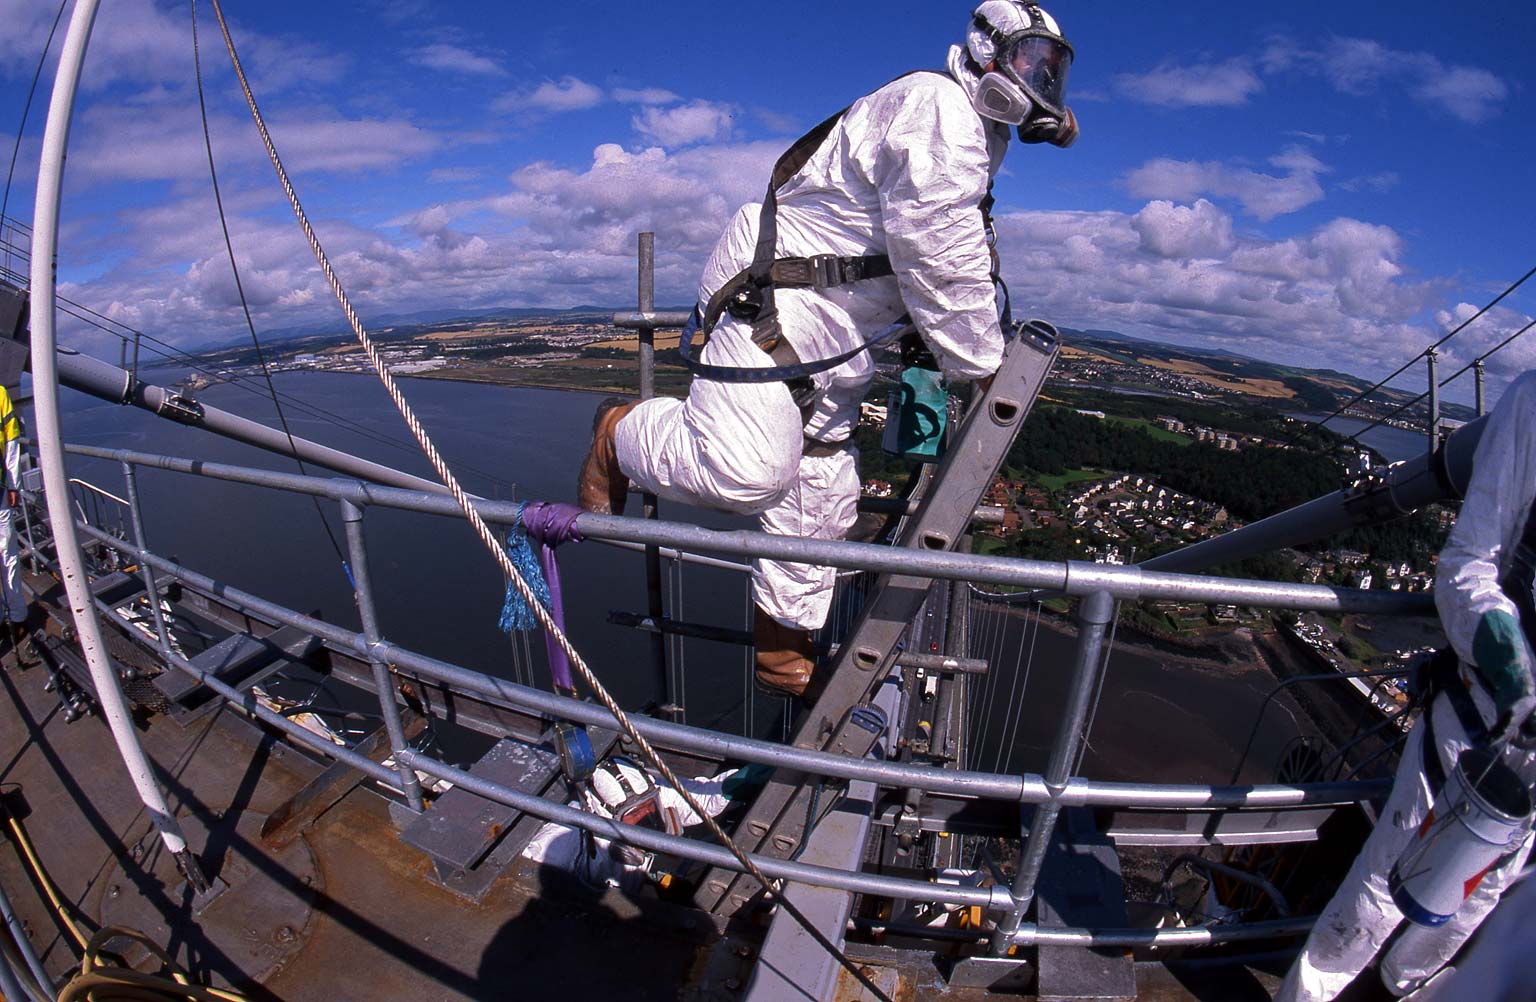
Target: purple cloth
[549, 525]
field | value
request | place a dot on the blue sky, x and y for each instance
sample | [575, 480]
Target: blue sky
[1321, 184]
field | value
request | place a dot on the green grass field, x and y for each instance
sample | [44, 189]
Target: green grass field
[1057, 481]
[1161, 434]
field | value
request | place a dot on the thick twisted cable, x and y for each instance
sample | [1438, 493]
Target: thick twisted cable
[483, 531]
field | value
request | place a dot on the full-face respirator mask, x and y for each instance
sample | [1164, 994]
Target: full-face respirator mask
[1025, 81]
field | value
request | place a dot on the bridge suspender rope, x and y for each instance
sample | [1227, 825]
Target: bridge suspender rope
[774, 888]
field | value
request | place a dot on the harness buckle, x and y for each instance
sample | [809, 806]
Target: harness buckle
[826, 271]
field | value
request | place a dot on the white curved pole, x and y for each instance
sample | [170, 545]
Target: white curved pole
[45, 386]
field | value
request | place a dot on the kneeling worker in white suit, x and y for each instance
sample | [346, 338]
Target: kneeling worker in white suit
[1485, 594]
[13, 602]
[877, 213]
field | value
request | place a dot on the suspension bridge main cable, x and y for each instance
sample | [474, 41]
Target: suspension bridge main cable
[26, 109]
[165, 350]
[775, 889]
[1312, 426]
[1443, 383]
[245, 306]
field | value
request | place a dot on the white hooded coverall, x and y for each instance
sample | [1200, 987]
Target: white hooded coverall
[1361, 915]
[13, 604]
[902, 173]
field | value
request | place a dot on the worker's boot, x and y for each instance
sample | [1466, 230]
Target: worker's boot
[786, 657]
[17, 639]
[603, 487]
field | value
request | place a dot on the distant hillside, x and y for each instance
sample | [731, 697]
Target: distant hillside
[1290, 387]
[1315, 389]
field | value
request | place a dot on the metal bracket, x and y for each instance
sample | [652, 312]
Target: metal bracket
[182, 408]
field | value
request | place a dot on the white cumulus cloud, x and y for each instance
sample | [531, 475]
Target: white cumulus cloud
[1263, 196]
[454, 59]
[644, 95]
[1193, 231]
[685, 125]
[1172, 85]
[1360, 67]
[553, 96]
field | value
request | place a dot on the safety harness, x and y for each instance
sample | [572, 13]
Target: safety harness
[1517, 583]
[749, 294]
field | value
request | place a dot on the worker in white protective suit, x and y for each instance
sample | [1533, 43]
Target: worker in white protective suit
[877, 213]
[1485, 603]
[13, 604]
[1500, 965]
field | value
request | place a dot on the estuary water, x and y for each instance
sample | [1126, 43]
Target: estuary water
[440, 594]
[1395, 444]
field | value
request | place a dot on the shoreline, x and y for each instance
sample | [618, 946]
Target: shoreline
[457, 376]
[1204, 656]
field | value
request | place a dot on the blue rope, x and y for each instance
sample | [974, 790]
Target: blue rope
[516, 614]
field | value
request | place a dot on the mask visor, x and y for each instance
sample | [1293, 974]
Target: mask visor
[1040, 64]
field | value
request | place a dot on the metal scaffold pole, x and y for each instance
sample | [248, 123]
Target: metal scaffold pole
[389, 709]
[1434, 398]
[45, 385]
[1477, 377]
[1094, 614]
[647, 305]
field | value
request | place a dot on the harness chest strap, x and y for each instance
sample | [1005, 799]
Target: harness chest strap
[749, 294]
[1445, 671]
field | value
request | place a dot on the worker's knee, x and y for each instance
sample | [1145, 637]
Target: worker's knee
[751, 480]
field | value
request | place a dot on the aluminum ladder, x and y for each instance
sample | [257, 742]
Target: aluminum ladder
[775, 824]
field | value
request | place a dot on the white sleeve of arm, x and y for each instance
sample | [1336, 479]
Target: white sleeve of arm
[931, 173]
[1499, 495]
[13, 464]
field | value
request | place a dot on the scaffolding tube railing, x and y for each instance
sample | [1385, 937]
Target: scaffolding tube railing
[1075, 578]
[1102, 584]
[1026, 788]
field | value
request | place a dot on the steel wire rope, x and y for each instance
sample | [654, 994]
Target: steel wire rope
[969, 692]
[1014, 709]
[1310, 426]
[999, 635]
[774, 889]
[26, 108]
[170, 352]
[1444, 382]
[749, 715]
[1394, 745]
[992, 649]
[679, 653]
[980, 647]
[528, 659]
[973, 647]
[1001, 647]
[245, 306]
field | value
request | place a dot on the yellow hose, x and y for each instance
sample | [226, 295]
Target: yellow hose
[100, 980]
[36, 866]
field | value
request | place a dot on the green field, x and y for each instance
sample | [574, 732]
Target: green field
[1161, 434]
[1057, 481]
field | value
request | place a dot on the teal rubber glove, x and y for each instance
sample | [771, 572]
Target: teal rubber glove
[1499, 657]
